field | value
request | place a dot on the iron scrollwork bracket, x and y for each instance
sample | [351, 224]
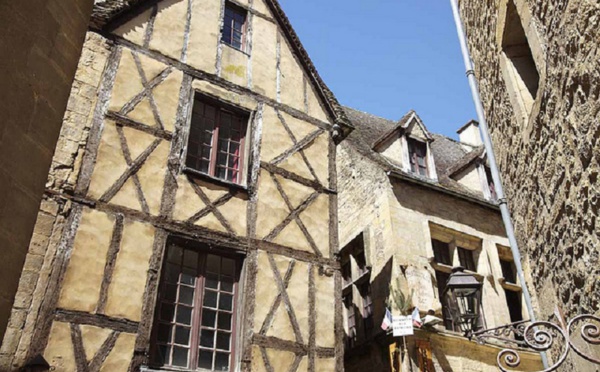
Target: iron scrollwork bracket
[540, 336]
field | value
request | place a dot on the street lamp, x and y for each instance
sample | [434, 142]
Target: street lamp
[463, 298]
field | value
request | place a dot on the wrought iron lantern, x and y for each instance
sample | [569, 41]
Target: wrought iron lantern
[463, 299]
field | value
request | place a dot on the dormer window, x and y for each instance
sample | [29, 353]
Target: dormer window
[417, 154]
[490, 183]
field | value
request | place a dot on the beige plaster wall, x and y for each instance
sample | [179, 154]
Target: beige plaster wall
[111, 258]
[469, 178]
[267, 65]
[395, 152]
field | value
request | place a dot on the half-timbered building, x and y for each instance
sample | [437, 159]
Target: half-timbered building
[189, 220]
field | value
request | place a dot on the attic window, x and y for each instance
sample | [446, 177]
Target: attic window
[521, 75]
[417, 153]
[234, 26]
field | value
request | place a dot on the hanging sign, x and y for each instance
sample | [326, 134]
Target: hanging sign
[402, 325]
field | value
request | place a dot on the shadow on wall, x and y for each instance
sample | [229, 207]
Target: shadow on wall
[447, 207]
[370, 353]
[137, 20]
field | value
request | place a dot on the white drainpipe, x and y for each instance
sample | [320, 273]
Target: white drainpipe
[483, 127]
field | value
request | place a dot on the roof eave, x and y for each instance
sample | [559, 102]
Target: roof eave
[444, 190]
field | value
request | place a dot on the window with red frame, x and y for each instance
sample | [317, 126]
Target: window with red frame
[417, 152]
[195, 318]
[216, 140]
[234, 26]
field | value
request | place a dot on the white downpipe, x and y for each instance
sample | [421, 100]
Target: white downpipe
[470, 71]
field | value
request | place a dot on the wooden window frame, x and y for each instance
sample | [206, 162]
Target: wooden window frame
[229, 6]
[198, 307]
[220, 107]
[414, 146]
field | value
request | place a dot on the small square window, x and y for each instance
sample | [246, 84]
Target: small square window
[216, 143]
[234, 26]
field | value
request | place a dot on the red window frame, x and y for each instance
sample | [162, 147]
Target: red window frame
[217, 140]
[235, 25]
[417, 153]
[179, 280]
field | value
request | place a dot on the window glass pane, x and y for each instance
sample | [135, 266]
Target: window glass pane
[204, 166]
[228, 266]
[186, 295]
[212, 281]
[234, 148]
[170, 292]
[222, 159]
[184, 315]
[171, 273]
[167, 311]
[188, 276]
[222, 362]
[190, 258]
[182, 335]
[225, 301]
[210, 299]
[213, 263]
[208, 318]
[180, 357]
[225, 321]
[164, 333]
[207, 338]
[226, 283]
[162, 354]
[223, 340]
[205, 359]
[174, 254]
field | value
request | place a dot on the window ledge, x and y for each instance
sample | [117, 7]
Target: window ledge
[509, 285]
[234, 48]
[218, 181]
[440, 266]
[448, 269]
[171, 369]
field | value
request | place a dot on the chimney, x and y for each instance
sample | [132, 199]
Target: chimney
[469, 134]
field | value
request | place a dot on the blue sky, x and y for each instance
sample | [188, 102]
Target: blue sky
[387, 57]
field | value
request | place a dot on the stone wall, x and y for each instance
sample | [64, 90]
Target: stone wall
[54, 212]
[398, 219]
[550, 162]
[40, 46]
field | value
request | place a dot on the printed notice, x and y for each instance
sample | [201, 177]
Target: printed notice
[402, 325]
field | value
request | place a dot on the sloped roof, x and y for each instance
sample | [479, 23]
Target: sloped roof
[447, 153]
[105, 11]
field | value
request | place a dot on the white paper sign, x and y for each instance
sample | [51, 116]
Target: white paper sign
[402, 325]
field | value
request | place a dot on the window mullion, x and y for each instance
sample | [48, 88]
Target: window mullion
[215, 141]
[197, 320]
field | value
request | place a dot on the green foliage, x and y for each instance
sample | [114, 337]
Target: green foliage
[400, 301]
